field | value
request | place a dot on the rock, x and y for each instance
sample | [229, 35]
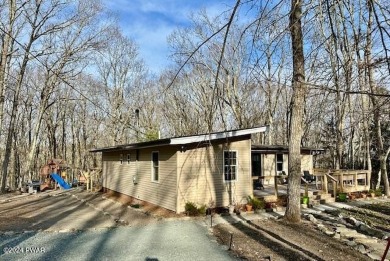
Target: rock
[361, 248]
[333, 212]
[63, 230]
[366, 241]
[353, 221]
[345, 230]
[9, 233]
[354, 235]
[343, 222]
[371, 231]
[331, 223]
[330, 233]
[374, 256]
[337, 236]
[351, 243]
[323, 229]
[311, 218]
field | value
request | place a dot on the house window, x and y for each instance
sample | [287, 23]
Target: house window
[128, 158]
[121, 158]
[279, 162]
[230, 165]
[155, 165]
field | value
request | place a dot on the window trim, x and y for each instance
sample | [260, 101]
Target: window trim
[128, 159]
[236, 174]
[277, 162]
[153, 167]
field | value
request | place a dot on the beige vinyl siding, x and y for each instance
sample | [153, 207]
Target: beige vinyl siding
[307, 163]
[119, 177]
[269, 168]
[269, 165]
[201, 178]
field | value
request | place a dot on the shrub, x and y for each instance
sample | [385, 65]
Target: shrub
[202, 210]
[378, 192]
[256, 203]
[192, 210]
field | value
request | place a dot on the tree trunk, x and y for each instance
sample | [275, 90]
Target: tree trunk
[382, 154]
[4, 59]
[293, 211]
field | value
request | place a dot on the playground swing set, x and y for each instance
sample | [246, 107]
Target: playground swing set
[57, 173]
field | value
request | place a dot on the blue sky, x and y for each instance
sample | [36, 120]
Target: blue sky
[149, 22]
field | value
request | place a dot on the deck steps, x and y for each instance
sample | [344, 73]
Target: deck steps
[314, 202]
[316, 198]
[328, 200]
[325, 198]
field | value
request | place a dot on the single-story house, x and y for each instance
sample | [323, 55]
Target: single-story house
[269, 161]
[212, 169]
[215, 169]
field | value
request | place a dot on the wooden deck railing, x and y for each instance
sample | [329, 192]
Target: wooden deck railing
[343, 180]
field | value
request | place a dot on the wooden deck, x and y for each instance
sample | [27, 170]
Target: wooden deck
[345, 181]
[327, 181]
[270, 194]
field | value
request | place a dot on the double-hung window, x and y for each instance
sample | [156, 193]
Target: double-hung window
[279, 162]
[230, 165]
[155, 166]
[128, 159]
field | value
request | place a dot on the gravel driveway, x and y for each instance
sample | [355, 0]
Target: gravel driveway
[77, 225]
[165, 240]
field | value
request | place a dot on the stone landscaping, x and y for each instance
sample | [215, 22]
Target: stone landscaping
[350, 231]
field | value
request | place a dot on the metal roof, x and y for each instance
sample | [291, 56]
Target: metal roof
[185, 139]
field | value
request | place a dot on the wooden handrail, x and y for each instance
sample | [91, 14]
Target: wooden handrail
[331, 177]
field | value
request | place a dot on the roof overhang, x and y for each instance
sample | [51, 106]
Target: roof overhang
[216, 136]
[284, 149]
[176, 141]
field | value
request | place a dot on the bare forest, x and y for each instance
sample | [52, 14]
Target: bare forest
[316, 72]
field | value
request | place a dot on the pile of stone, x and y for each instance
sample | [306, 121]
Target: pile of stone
[352, 232]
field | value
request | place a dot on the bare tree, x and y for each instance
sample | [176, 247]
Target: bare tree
[293, 211]
[382, 152]
[122, 73]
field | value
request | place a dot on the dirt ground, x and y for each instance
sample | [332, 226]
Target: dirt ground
[376, 215]
[278, 240]
[76, 210]
[265, 239]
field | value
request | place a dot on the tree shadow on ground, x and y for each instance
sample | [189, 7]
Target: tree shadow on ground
[283, 247]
